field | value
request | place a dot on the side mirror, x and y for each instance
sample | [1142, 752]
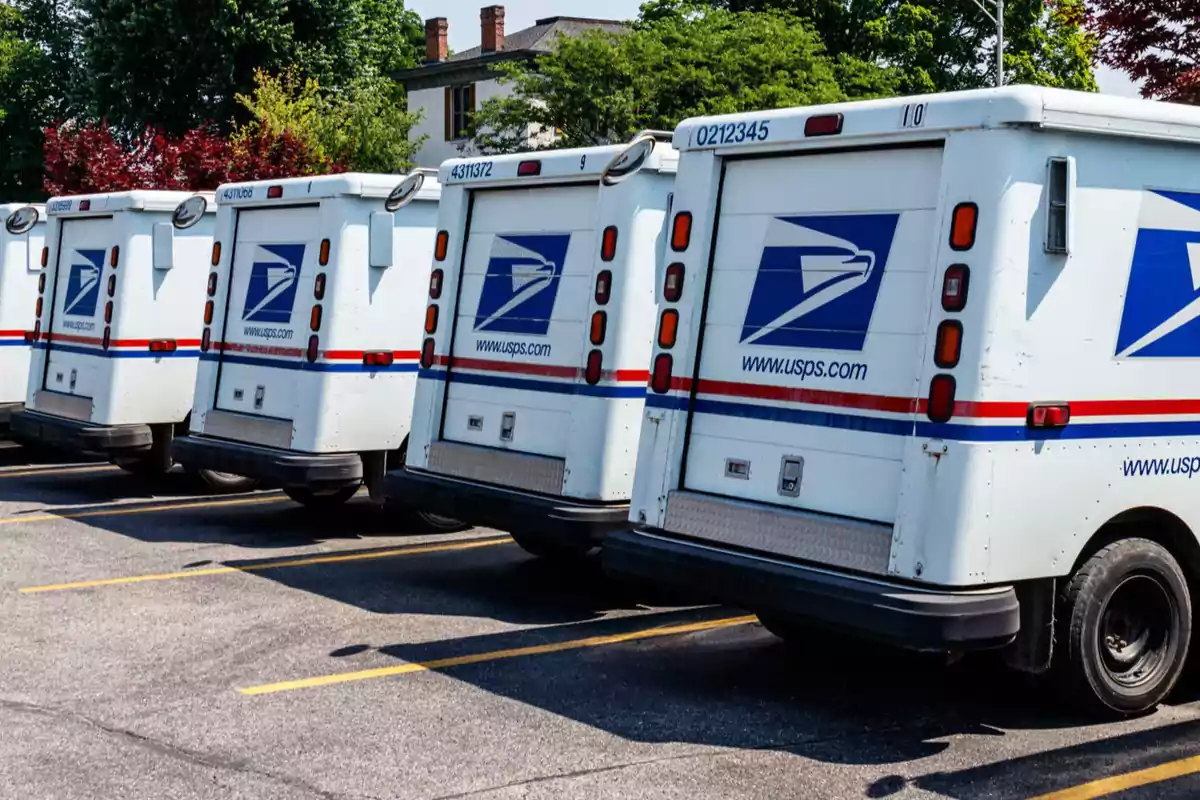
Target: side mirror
[21, 221]
[382, 236]
[164, 245]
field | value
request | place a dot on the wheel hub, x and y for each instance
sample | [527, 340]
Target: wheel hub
[1135, 631]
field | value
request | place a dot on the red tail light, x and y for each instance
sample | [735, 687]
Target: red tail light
[312, 352]
[442, 247]
[206, 340]
[598, 328]
[427, 354]
[41, 283]
[216, 254]
[673, 283]
[962, 227]
[107, 310]
[319, 287]
[208, 312]
[660, 378]
[603, 287]
[29, 336]
[37, 330]
[107, 340]
[163, 346]
[382, 358]
[594, 362]
[274, 192]
[45, 256]
[954, 287]
[114, 255]
[435, 284]
[323, 255]
[823, 125]
[948, 348]
[608, 246]
[681, 231]
[85, 205]
[314, 319]
[527, 169]
[37, 308]
[431, 319]
[1048, 415]
[941, 398]
[112, 285]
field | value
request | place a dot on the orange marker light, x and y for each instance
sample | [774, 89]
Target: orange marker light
[948, 348]
[963, 225]
[668, 329]
[681, 231]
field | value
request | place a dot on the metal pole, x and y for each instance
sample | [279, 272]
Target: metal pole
[999, 42]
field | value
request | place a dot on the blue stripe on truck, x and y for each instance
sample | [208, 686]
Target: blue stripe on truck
[531, 385]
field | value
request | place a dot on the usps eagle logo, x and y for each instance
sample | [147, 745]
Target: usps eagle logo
[83, 283]
[1161, 315]
[521, 284]
[271, 293]
[818, 280]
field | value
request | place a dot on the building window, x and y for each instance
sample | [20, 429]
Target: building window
[460, 108]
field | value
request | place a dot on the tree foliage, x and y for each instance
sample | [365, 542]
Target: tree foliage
[946, 45]
[679, 60]
[91, 158]
[1156, 42]
[364, 127]
[179, 63]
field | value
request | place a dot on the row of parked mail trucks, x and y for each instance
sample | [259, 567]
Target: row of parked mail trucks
[915, 369]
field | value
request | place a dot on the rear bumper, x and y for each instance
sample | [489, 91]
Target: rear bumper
[7, 410]
[505, 509]
[286, 468]
[919, 619]
[34, 427]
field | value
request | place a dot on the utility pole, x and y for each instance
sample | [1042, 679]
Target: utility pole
[997, 20]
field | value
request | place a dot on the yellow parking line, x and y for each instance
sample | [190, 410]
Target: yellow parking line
[297, 562]
[1130, 780]
[26, 472]
[123, 510]
[496, 655]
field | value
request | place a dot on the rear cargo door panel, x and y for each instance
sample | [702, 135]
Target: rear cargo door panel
[520, 326]
[274, 266]
[815, 330]
[77, 327]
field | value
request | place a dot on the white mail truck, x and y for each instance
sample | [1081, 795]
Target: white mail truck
[312, 325]
[537, 335]
[116, 334]
[21, 268]
[933, 380]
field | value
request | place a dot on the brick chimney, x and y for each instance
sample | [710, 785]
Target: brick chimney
[491, 22]
[436, 47]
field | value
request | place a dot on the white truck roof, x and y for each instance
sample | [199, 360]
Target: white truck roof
[317, 187]
[574, 165]
[1052, 109]
[108, 202]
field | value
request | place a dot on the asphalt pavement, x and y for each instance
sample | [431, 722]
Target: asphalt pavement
[158, 641]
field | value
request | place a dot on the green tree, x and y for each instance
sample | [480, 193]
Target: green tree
[945, 45]
[37, 63]
[678, 60]
[363, 127]
[179, 63]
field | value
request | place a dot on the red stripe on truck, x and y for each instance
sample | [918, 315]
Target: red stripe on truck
[544, 370]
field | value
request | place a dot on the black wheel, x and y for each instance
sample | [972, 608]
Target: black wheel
[1125, 622]
[552, 549]
[790, 630]
[428, 520]
[226, 482]
[321, 499]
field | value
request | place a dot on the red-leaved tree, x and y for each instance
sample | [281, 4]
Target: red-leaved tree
[91, 158]
[1156, 42]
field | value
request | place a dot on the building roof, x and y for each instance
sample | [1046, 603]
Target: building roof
[525, 43]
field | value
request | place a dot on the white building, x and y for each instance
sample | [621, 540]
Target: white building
[450, 87]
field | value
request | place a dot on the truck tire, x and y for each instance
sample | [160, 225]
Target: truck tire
[791, 631]
[551, 549]
[226, 482]
[321, 500]
[1124, 629]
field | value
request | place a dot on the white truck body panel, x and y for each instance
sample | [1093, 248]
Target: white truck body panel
[983, 498]
[19, 273]
[120, 381]
[256, 384]
[521, 269]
